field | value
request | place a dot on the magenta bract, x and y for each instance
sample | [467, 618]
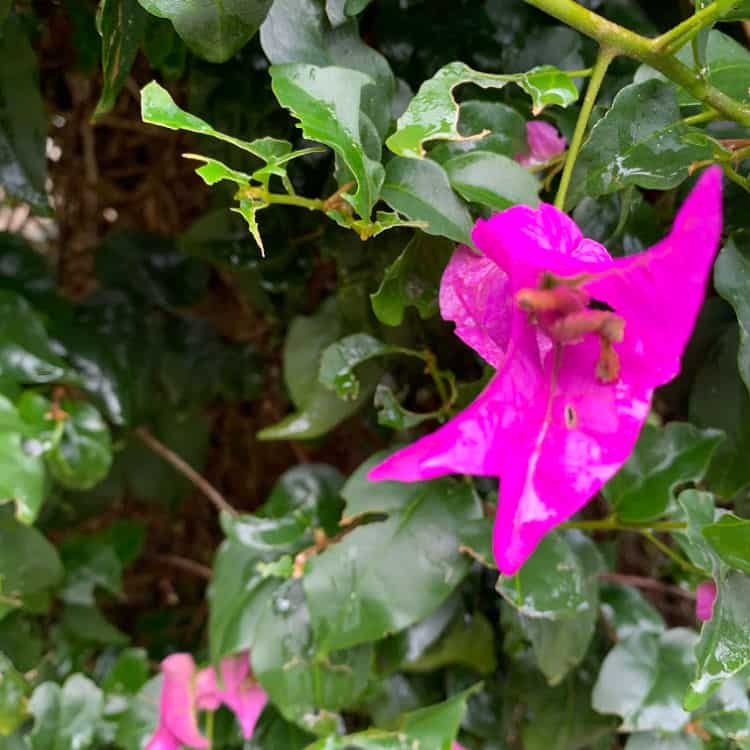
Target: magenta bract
[544, 143]
[579, 340]
[184, 692]
[705, 596]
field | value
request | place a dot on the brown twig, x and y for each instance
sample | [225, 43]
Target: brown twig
[186, 470]
[647, 583]
[190, 566]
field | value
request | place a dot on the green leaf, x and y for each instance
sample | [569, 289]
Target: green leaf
[492, 180]
[724, 648]
[22, 475]
[305, 683]
[13, 702]
[26, 355]
[239, 591]
[643, 679]
[570, 555]
[129, 673]
[23, 120]
[340, 358]
[356, 589]
[213, 30]
[272, 730]
[88, 624]
[558, 620]
[626, 611]
[732, 281]
[661, 741]
[65, 717]
[318, 410]
[340, 10]
[122, 24]
[720, 399]
[420, 190]
[640, 141]
[730, 538]
[413, 279]
[663, 458]
[433, 113]
[137, 723]
[433, 727]
[326, 101]
[83, 456]
[296, 31]
[90, 562]
[392, 414]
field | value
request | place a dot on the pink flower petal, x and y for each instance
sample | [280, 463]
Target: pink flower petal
[544, 143]
[177, 707]
[546, 423]
[163, 740]
[474, 294]
[705, 596]
[240, 693]
[456, 746]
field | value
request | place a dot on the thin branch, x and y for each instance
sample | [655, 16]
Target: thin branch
[186, 470]
[190, 566]
[646, 583]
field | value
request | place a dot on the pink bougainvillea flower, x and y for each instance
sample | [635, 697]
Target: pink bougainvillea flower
[178, 723]
[544, 143]
[238, 691]
[705, 596]
[184, 692]
[579, 340]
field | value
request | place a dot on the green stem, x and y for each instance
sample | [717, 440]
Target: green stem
[612, 523]
[626, 42]
[605, 57]
[735, 176]
[312, 204]
[669, 552]
[434, 372]
[707, 116]
[676, 37]
[210, 729]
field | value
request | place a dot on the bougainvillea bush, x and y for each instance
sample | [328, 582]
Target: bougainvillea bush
[374, 375]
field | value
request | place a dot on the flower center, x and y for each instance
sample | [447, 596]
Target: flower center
[566, 313]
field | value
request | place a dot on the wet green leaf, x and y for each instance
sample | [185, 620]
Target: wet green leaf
[318, 410]
[83, 456]
[420, 190]
[356, 589]
[23, 121]
[22, 475]
[215, 31]
[643, 679]
[433, 112]
[307, 684]
[339, 359]
[663, 458]
[122, 24]
[627, 611]
[730, 538]
[65, 717]
[413, 279]
[392, 414]
[492, 180]
[13, 697]
[326, 101]
[732, 281]
[640, 141]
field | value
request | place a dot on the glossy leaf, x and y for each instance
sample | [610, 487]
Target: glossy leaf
[356, 589]
[719, 399]
[215, 31]
[421, 191]
[413, 279]
[318, 410]
[339, 360]
[65, 717]
[627, 611]
[640, 141]
[732, 281]
[23, 122]
[122, 24]
[13, 697]
[433, 112]
[392, 414]
[306, 685]
[730, 538]
[340, 10]
[643, 678]
[723, 649]
[22, 475]
[239, 592]
[326, 101]
[662, 459]
[491, 180]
